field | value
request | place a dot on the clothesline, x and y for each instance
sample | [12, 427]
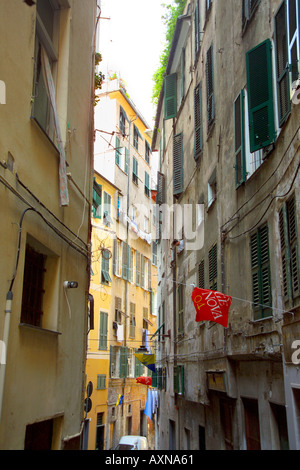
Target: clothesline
[237, 298]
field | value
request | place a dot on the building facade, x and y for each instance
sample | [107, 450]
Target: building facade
[126, 281]
[46, 170]
[227, 133]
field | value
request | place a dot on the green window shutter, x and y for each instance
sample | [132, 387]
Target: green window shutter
[198, 147]
[147, 184]
[154, 379]
[142, 271]
[260, 93]
[103, 331]
[239, 142]
[210, 87]
[135, 171]
[125, 261]
[170, 89]
[261, 275]
[115, 256]
[126, 166]
[101, 382]
[293, 245]
[97, 200]
[117, 151]
[282, 70]
[138, 268]
[285, 255]
[197, 28]
[177, 165]
[123, 362]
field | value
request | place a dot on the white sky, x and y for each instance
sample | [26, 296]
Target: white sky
[131, 42]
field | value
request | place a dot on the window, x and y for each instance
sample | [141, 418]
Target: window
[46, 39]
[145, 318]
[212, 188]
[160, 197]
[181, 78]
[261, 276]
[122, 156]
[201, 280]
[41, 270]
[178, 375]
[239, 142]
[125, 261]
[97, 199]
[131, 265]
[123, 362]
[197, 28]
[213, 268]
[105, 276]
[118, 310]
[117, 257]
[101, 382]
[210, 88]
[177, 164]
[289, 250]
[260, 96]
[135, 171]
[154, 253]
[180, 297]
[170, 99]
[107, 210]
[132, 320]
[198, 147]
[33, 287]
[103, 331]
[208, 4]
[147, 184]
[249, 7]
[122, 122]
[136, 136]
[138, 268]
[287, 54]
[147, 153]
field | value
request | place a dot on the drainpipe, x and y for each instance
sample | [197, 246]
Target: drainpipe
[8, 306]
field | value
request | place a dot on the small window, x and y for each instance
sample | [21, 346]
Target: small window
[212, 188]
[213, 268]
[210, 89]
[135, 137]
[122, 123]
[249, 8]
[180, 297]
[103, 331]
[135, 171]
[33, 287]
[107, 210]
[101, 382]
[261, 274]
[97, 200]
[105, 276]
[147, 153]
[132, 323]
[197, 28]
[118, 308]
[147, 184]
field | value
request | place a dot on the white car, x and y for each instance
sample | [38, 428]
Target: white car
[132, 443]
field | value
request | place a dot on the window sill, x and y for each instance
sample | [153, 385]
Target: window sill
[38, 328]
[37, 124]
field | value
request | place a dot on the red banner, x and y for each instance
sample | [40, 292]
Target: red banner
[211, 306]
[144, 380]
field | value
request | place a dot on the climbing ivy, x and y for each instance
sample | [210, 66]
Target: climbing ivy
[172, 11]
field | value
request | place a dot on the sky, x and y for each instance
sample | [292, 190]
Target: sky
[131, 43]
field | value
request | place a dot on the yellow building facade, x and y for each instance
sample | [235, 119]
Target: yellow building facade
[125, 299]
